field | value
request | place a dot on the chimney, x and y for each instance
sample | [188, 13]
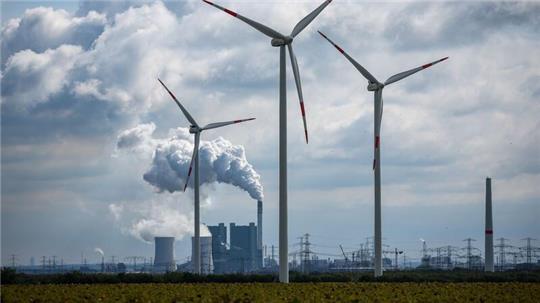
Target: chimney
[489, 229]
[259, 224]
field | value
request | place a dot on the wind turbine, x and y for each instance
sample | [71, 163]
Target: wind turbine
[377, 87]
[282, 41]
[195, 129]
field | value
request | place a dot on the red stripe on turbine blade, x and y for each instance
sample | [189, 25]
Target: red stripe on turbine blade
[377, 140]
[230, 12]
[489, 232]
[302, 108]
[339, 49]
[305, 131]
[427, 65]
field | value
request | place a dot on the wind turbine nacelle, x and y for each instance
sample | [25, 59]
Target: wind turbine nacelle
[374, 86]
[193, 129]
[280, 42]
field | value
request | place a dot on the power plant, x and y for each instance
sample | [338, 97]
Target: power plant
[164, 254]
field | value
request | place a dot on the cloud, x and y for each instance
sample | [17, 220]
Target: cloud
[31, 78]
[163, 217]
[138, 139]
[452, 24]
[43, 28]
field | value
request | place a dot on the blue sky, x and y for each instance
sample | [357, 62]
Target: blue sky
[75, 76]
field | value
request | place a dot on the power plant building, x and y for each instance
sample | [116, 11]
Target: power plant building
[241, 254]
[219, 248]
[207, 264]
[243, 251]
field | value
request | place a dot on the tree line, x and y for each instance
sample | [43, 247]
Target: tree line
[10, 276]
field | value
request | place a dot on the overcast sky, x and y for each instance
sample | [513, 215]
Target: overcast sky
[75, 76]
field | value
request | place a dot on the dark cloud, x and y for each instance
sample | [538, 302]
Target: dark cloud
[44, 28]
[430, 25]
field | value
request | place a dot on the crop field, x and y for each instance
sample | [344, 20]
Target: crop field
[273, 292]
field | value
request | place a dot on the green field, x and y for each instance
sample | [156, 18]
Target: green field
[274, 292]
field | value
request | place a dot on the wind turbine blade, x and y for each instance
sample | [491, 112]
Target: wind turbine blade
[186, 113]
[359, 67]
[298, 88]
[405, 74]
[258, 26]
[307, 19]
[195, 152]
[221, 124]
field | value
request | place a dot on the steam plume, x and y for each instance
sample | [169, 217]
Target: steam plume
[220, 161]
[99, 251]
[165, 217]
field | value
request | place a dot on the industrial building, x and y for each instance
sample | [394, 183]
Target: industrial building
[164, 254]
[219, 247]
[242, 254]
[207, 264]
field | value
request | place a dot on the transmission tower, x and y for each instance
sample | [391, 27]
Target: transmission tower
[306, 252]
[13, 260]
[530, 251]
[43, 262]
[469, 249]
[502, 246]
[134, 259]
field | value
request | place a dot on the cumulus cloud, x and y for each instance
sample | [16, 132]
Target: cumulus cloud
[31, 78]
[219, 160]
[43, 28]
[138, 139]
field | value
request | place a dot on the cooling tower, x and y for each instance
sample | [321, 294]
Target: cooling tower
[164, 256]
[489, 229]
[207, 263]
[259, 224]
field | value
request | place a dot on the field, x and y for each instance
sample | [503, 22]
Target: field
[273, 292]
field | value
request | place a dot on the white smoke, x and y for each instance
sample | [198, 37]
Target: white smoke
[164, 218]
[99, 251]
[219, 160]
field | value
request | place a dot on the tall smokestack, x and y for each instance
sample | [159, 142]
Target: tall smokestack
[489, 229]
[259, 224]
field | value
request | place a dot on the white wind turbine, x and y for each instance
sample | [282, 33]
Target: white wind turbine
[282, 41]
[197, 130]
[377, 87]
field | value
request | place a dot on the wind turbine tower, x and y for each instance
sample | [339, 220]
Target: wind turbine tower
[489, 230]
[284, 42]
[377, 88]
[196, 130]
